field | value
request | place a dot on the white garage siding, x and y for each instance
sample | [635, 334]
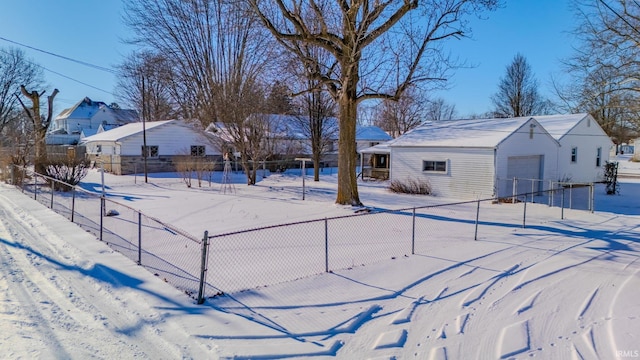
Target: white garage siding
[469, 170]
[171, 139]
[526, 168]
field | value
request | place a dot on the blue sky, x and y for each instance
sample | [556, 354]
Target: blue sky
[92, 31]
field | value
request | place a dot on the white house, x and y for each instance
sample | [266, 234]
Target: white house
[120, 149]
[584, 146]
[84, 119]
[471, 159]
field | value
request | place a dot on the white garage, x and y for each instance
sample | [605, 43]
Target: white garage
[476, 159]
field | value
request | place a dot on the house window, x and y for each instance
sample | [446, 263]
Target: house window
[98, 149]
[434, 166]
[598, 157]
[574, 154]
[152, 151]
[197, 150]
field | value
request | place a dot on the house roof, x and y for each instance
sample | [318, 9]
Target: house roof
[560, 125]
[87, 108]
[372, 133]
[461, 133]
[377, 149]
[125, 131]
[291, 127]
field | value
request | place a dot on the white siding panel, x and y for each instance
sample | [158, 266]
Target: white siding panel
[587, 137]
[469, 174]
[520, 143]
[171, 139]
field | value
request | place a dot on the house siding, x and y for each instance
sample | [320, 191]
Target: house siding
[170, 139]
[587, 139]
[469, 170]
[520, 143]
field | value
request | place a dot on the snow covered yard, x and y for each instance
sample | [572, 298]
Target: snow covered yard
[554, 289]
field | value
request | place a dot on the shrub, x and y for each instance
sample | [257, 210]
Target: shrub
[411, 186]
[68, 172]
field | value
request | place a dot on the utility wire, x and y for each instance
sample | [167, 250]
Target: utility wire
[60, 74]
[97, 67]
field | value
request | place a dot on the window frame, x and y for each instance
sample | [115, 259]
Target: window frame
[152, 151]
[599, 157]
[574, 154]
[198, 150]
[435, 166]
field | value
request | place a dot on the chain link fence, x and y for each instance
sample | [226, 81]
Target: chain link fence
[230, 262]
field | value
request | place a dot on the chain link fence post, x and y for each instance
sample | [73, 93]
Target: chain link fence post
[139, 238]
[562, 205]
[475, 236]
[326, 245]
[203, 267]
[413, 232]
[73, 202]
[524, 213]
[35, 186]
[101, 216]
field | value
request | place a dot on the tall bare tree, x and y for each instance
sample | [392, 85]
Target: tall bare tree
[379, 48]
[219, 55]
[605, 67]
[440, 109]
[15, 70]
[144, 83]
[40, 123]
[517, 93]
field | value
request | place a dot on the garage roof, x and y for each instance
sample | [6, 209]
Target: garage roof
[462, 133]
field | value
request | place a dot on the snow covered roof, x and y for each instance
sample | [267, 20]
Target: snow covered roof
[372, 133]
[87, 108]
[377, 149]
[124, 131]
[559, 125]
[461, 133]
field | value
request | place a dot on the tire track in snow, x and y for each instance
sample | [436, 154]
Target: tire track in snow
[74, 303]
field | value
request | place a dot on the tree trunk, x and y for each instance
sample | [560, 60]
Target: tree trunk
[316, 167]
[347, 155]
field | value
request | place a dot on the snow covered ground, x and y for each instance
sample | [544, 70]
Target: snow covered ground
[557, 289]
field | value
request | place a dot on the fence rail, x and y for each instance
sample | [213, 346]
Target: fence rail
[211, 265]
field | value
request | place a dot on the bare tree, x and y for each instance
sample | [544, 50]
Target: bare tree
[397, 117]
[220, 56]
[15, 70]
[317, 122]
[605, 67]
[373, 44]
[40, 123]
[439, 109]
[518, 92]
[144, 83]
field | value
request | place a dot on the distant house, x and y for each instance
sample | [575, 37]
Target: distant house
[584, 146]
[120, 150]
[471, 159]
[84, 119]
[288, 137]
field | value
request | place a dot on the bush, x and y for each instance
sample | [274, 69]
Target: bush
[411, 186]
[68, 172]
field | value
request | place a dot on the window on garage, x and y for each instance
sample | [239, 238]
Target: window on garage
[599, 157]
[434, 166]
[574, 154]
[152, 151]
[197, 150]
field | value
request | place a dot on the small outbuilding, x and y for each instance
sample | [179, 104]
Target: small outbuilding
[584, 146]
[472, 159]
[121, 149]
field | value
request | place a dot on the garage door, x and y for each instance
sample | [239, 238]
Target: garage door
[525, 168]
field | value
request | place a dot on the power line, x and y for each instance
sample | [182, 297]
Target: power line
[97, 67]
[60, 74]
